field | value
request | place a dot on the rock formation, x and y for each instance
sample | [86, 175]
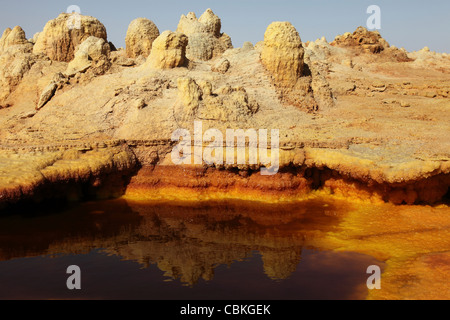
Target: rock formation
[282, 55]
[46, 95]
[368, 41]
[190, 95]
[14, 68]
[37, 171]
[35, 38]
[205, 39]
[15, 60]
[169, 51]
[198, 100]
[59, 42]
[92, 56]
[141, 101]
[247, 46]
[140, 36]
[322, 92]
[93, 52]
[374, 132]
[14, 37]
[3, 38]
[222, 66]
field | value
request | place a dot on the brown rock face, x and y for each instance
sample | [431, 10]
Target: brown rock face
[368, 41]
[59, 43]
[169, 51]
[205, 40]
[140, 36]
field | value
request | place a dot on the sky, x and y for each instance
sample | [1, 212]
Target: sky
[412, 24]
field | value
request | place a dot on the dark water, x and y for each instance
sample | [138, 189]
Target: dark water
[217, 250]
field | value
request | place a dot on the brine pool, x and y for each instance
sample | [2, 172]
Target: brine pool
[166, 250]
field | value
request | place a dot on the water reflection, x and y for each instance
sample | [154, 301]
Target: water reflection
[186, 242]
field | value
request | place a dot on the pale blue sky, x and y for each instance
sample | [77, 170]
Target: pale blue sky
[412, 24]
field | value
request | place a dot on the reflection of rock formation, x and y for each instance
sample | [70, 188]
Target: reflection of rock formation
[280, 264]
[186, 242]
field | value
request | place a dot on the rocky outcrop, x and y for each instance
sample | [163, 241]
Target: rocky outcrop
[169, 51]
[140, 37]
[36, 173]
[3, 38]
[120, 58]
[93, 52]
[197, 100]
[95, 48]
[370, 42]
[59, 42]
[35, 38]
[15, 61]
[283, 53]
[205, 38]
[367, 41]
[321, 88]
[319, 50]
[14, 67]
[266, 87]
[247, 46]
[190, 95]
[58, 81]
[425, 57]
[222, 66]
[91, 57]
[283, 57]
[46, 95]
[14, 37]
